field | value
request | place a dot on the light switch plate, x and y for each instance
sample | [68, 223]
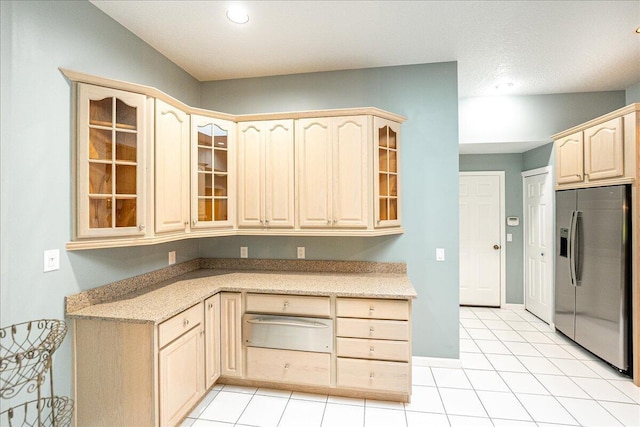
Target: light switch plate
[51, 260]
[509, 237]
[439, 254]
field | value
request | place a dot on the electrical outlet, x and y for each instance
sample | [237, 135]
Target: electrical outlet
[301, 253]
[172, 257]
[244, 252]
[51, 260]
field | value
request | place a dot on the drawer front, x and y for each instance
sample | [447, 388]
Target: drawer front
[373, 329]
[372, 308]
[374, 375]
[373, 349]
[171, 329]
[287, 366]
[297, 305]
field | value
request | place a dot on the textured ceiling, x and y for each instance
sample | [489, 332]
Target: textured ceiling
[541, 47]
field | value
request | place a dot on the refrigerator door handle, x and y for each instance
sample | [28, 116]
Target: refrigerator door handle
[572, 243]
[576, 251]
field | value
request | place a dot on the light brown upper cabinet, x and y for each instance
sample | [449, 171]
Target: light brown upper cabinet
[171, 169]
[599, 152]
[110, 163]
[332, 172]
[150, 169]
[266, 197]
[387, 173]
[212, 173]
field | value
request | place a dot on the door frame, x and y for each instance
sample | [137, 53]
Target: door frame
[549, 187]
[502, 219]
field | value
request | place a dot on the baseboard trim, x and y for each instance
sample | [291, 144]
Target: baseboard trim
[438, 362]
[513, 306]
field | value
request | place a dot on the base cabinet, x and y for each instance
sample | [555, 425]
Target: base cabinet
[212, 339]
[181, 376]
[231, 334]
[294, 367]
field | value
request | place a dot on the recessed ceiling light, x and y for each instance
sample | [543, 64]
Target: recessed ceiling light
[237, 15]
[638, 30]
[507, 85]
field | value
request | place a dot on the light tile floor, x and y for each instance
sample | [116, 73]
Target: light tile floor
[515, 371]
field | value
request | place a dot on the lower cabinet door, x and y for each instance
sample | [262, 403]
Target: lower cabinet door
[181, 376]
[374, 375]
[299, 367]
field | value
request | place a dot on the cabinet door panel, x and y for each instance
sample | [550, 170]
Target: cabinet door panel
[279, 177]
[212, 339]
[250, 174]
[386, 175]
[181, 376]
[313, 147]
[213, 159]
[231, 334]
[171, 168]
[570, 159]
[111, 156]
[350, 171]
[603, 150]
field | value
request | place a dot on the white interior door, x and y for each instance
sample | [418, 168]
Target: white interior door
[538, 243]
[481, 231]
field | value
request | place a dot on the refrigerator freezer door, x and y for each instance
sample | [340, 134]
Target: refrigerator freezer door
[601, 315]
[564, 290]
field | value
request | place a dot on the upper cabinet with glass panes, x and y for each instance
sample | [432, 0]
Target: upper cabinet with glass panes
[212, 173]
[110, 196]
[387, 175]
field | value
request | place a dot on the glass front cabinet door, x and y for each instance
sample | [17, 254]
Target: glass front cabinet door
[387, 176]
[110, 162]
[213, 173]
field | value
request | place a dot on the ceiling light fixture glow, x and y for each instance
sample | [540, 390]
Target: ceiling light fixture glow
[638, 30]
[237, 15]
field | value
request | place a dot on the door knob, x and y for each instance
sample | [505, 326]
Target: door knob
[496, 247]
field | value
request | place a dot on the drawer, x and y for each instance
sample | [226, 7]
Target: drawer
[372, 308]
[287, 366]
[373, 329]
[374, 375]
[171, 329]
[297, 305]
[373, 349]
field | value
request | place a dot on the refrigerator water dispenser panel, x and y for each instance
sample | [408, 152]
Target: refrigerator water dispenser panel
[564, 242]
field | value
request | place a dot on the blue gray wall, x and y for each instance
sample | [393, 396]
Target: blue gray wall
[35, 155]
[633, 94]
[511, 164]
[427, 96]
[530, 119]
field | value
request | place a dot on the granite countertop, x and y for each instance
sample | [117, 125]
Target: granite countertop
[156, 302]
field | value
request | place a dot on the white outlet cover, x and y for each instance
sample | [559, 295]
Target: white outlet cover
[244, 252]
[301, 252]
[172, 257]
[51, 260]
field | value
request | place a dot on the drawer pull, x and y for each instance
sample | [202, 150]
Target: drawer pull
[371, 330]
[371, 310]
[185, 322]
[371, 375]
[371, 349]
[286, 304]
[210, 306]
[286, 366]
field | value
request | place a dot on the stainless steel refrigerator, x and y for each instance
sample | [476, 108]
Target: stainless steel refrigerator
[593, 270]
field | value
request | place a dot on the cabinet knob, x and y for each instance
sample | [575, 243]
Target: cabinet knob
[328, 221]
[210, 306]
[371, 375]
[286, 366]
[185, 322]
[578, 176]
[371, 350]
[371, 310]
[371, 330]
[266, 221]
[286, 304]
[194, 222]
[186, 223]
[496, 247]
[141, 227]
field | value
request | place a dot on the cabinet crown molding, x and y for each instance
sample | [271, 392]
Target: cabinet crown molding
[601, 119]
[78, 77]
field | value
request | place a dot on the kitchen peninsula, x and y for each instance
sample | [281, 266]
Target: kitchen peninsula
[147, 349]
